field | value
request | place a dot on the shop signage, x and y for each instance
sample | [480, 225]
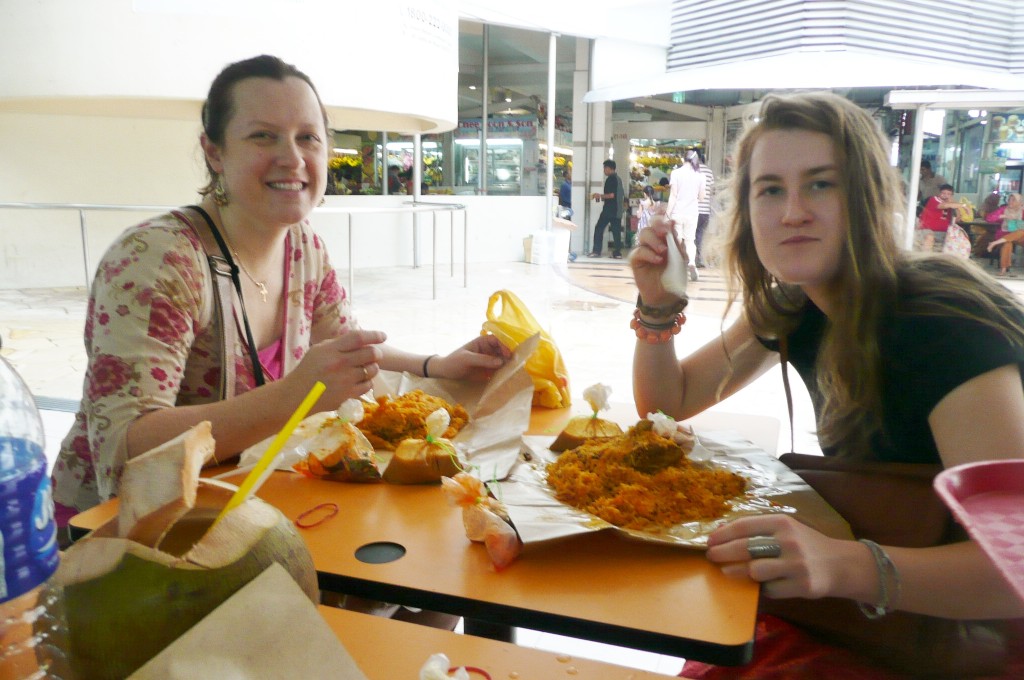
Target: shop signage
[513, 127]
[989, 166]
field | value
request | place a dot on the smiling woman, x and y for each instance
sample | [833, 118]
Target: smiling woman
[809, 245]
[163, 354]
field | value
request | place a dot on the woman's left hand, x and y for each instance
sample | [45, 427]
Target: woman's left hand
[477, 360]
[806, 566]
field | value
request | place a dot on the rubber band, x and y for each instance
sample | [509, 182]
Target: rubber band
[331, 511]
[470, 669]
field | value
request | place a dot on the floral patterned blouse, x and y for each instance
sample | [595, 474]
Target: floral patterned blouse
[152, 338]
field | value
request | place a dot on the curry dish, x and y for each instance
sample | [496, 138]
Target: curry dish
[391, 420]
[641, 480]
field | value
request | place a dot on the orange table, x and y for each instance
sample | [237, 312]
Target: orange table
[601, 586]
[385, 649]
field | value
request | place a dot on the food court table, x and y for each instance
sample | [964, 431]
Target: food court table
[600, 586]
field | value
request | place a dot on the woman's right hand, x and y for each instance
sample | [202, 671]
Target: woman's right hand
[346, 365]
[649, 258]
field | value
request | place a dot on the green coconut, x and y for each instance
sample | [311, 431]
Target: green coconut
[127, 601]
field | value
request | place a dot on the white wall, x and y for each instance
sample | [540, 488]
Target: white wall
[94, 159]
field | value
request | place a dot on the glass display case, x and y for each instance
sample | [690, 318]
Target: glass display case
[1001, 168]
[504, 166]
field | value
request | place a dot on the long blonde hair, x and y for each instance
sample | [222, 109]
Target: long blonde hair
[873, 275]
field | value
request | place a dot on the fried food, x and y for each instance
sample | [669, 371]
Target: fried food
[641, 480]
[394, 419]
[580, 429]
[340, 452]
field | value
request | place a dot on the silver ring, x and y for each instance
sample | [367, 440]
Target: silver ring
[366, 374]
[763, 546]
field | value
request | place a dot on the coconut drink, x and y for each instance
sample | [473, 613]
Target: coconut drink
[135, 584]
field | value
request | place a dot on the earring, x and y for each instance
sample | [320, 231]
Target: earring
[220, 195]
[322, 201]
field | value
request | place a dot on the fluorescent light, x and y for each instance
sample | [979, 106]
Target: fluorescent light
[340, 150]
[558, 149]
[472, 87]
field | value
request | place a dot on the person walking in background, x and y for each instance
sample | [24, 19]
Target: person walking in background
[611, 214]
[704, 209]
[685, 194]
[646, 207]
[565, 195]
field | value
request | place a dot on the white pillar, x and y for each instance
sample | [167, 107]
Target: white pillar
[915, 178]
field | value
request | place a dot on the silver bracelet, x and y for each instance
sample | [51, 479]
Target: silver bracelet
[889, 586]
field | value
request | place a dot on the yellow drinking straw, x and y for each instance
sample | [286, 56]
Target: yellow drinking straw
[253, 480]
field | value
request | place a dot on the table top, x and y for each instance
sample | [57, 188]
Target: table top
[385, 649]
[600, 586]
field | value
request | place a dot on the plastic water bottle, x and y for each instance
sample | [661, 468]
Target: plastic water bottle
[32, 627]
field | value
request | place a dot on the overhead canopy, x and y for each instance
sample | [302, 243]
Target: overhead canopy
[811, 70]
[954, 99]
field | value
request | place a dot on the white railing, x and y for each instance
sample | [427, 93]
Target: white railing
[412, 208]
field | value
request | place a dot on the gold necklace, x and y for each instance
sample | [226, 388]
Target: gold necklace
[262, 285]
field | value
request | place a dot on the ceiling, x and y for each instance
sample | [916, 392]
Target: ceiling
[518, 80]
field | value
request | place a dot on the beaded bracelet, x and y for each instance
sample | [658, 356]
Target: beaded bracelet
[656, 333]
[661, 312]
[889, 586]
[425, 362]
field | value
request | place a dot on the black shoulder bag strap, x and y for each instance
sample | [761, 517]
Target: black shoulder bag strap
[784, 357]
[223, 267]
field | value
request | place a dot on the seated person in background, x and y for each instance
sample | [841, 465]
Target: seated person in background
[938, 212]
[990, 209]
[1011, 231]
[810, 251]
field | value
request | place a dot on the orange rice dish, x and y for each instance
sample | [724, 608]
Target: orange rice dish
[391, 420]
[641, 480]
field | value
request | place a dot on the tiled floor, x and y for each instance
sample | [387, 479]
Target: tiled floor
[586, 306]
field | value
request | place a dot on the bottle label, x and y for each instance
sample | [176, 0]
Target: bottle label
[28, 532]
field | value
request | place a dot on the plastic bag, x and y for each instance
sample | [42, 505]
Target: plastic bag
[510, 321]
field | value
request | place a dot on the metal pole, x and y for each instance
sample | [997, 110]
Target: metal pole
[384, 165]
[482, 165]
[351, 271]
[433, 233]
[915, 177]
[549, 180]
[85, 247]
[417, 178]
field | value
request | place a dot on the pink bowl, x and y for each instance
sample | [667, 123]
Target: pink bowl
[988, 500]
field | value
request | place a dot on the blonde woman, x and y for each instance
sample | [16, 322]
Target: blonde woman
[904, 355]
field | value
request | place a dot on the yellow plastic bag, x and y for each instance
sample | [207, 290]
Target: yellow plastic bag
[510, 321]
[965, 212]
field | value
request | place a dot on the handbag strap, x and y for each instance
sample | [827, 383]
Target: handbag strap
[225, 272]
[784, 357]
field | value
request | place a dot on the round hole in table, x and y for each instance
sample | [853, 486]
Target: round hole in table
[380, 552]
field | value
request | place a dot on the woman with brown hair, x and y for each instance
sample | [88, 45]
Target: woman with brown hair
[904, 356]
